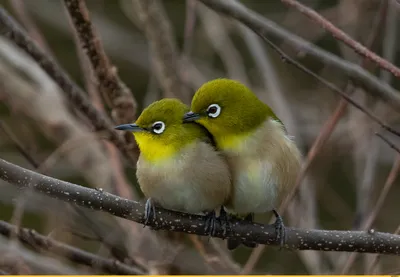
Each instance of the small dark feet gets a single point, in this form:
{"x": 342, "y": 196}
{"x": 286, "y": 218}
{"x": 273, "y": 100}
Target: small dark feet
{"x": 149, "y": 211}
{"x": 279, "y": 229}
{"x": 224, "y": 221}
{"x": 211, "y": 219}
{"x": 249, "y": 217}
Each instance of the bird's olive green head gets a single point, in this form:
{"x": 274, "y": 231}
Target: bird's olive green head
{"x": 159, "y": 130}
{"x": 227, "y": 108}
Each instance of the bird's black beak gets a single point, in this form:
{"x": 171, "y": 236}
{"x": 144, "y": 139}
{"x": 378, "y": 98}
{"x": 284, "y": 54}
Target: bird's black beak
{"x": 191, "y": 116}
{"x": 129, "y": 127}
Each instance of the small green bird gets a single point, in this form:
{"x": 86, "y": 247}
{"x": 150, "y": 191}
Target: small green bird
{"x": 178, "y": 167}
{"x": 264, "y": 161}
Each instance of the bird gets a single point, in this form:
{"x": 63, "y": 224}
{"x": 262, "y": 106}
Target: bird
{"x": 263, "y": 158}
{"x": 178, "y": 167}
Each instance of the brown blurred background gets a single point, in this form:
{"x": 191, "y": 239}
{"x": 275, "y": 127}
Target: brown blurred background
{"x": 339, "y": 191}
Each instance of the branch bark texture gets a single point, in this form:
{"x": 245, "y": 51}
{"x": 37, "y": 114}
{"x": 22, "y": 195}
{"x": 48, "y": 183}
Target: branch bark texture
{"x": 298, "y": 239}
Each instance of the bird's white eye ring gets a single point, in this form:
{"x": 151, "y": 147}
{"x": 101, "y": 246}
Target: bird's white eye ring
{"x": 158, "y": 127}
{"x": 213, "y": 110}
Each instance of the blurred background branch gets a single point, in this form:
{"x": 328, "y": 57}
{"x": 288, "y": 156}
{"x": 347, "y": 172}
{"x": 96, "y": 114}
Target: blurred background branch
{"x": 340, "y": 35}
{"x": 164, "y": 52}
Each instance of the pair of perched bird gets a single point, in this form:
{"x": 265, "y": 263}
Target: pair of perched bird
{"x": 228, "y": 150}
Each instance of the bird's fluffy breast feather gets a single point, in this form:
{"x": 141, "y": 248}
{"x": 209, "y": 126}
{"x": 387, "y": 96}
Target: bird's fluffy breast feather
{"x": 196, "y": 179}
{"x": 264, "y": 167}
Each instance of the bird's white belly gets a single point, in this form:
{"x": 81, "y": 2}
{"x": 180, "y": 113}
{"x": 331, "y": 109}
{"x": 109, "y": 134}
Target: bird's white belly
{"x": 255, "y": 188}
{"x": 174, "y": 193}
{"x": 177, "y": 195}
{"x": 172, "y": 188}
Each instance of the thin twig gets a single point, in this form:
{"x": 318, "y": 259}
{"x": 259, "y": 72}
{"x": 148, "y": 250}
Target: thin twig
{"x": 114, "y": 91}
{"x": 66, "y": 147}
{"x": 29, "y": 24}
{"x": 273, "y": 85}
{"x": 333, "y": 87}
{"x": 30, "y": 88}
{"x": 190, "y": 23}
{"x": 223, "y": 45}
{"x": 11, "y": 29}
{"x": 32, "y": 238}
{"x": 42, "y": 168}
{"x": 382, "y": 196}
{"x": 388, "y": 142}
{"x": 263, "y": 27}
{"x": 55, "y": 119}
{"x": 342, "y": 36}
{"x": 364, "y": 187}
{"x": 379, "y": 203}
{"x": 161, "y": 39}
{"x": 18, "y": 145}
{"x": 323, "y": 136}
{"x": 120, "y": 183}
{"x": 20, "y": 260}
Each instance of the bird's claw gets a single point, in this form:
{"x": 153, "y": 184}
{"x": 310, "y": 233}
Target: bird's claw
{"x": 149, "y": 211}
{"x": 224, "y": 221}
{"x": 210, "y": 223}
{"x": 249, "y": 217}
{"x": 279, "y": 229}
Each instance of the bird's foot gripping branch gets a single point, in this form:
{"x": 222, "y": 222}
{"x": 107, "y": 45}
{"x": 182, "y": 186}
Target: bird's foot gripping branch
{"x": 298, "y": 239}
{"x": 279, "y": 228}
{"x": 149, "y": 211}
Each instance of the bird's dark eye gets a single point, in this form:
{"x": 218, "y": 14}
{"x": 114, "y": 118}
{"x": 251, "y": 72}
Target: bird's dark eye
{"x": 213, "y": 110}
{"x": 158, "y": 127}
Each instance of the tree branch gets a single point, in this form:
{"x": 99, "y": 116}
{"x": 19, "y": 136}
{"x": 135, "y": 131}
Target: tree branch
{"x": 165, "y": 57}
{"x": 32, "y": 238}
{"x": 11, "y": 29}
{"x": 300, "y": 239}
{"x": 332, "y": 87}
{"x": 263, "y": 27}
{"x": 342, "y": 36}
{"x": 27, "y": 21}
{"x": 103, "y": 83}
{"x": 115, "y": 92}
{"x": 388, "y": 142}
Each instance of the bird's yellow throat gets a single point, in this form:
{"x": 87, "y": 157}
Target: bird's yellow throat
{"x": 154, "y": 150}
{"x": 233, "y": 142}
{"x": 224, "y": 140}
